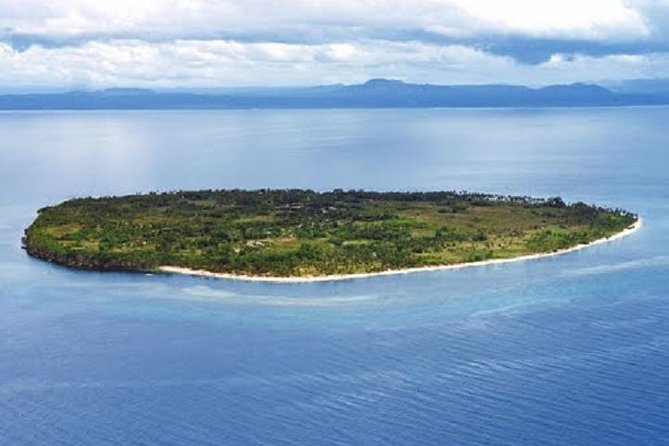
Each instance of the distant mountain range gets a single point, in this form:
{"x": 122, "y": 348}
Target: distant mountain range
{"x": 376, "y": 93}
{"x": 656, "y": 86}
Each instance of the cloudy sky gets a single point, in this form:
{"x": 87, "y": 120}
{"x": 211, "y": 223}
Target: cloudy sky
{"x": 217, "y": 43}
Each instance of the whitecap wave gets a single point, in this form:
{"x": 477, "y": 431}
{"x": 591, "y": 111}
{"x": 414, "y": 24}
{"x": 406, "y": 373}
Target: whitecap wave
{"x": 205, "y": 292}
{"x": 649, "y": 262}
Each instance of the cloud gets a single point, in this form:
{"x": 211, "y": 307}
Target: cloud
{"x": 214, "y": 63}
{"x": 232, "y": 42}
{"x": 568, "y": 18}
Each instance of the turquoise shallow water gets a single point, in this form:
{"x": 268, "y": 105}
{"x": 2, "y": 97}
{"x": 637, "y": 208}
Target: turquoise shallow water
{"x": 563, "y": 350}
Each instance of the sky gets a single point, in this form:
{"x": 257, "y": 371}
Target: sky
{"x": 225, "y": 43}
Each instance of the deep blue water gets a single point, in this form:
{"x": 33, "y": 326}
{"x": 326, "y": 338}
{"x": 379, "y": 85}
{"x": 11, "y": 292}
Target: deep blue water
{"x": 569, "y": 350}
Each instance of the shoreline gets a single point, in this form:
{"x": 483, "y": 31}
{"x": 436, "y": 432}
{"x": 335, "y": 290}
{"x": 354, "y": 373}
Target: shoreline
{"x": 336, "y": 277}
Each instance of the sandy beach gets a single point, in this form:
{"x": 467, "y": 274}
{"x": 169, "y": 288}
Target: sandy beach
{"x": 203, "y": 273}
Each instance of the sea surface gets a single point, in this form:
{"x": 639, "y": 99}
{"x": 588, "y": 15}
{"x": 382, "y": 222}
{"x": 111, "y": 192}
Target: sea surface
{"x": 567, "y": 350}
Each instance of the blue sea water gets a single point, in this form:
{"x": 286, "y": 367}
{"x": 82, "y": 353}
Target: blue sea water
{"x": 567, "y": 350}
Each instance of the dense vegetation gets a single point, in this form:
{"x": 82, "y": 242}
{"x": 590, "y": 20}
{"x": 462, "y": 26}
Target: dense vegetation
{"x": 302, "y": 232}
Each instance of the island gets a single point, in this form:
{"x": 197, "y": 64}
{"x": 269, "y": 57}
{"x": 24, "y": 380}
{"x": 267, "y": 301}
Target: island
{"x": 295, "y": 233}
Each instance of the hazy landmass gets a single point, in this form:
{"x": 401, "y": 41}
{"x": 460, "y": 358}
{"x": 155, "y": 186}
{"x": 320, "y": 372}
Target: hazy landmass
{"x": 649, "y": 87}
{"x": 376, "y": 93}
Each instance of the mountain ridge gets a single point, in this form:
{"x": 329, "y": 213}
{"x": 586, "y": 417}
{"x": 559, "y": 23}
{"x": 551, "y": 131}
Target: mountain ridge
{"x": 375, "y": 93}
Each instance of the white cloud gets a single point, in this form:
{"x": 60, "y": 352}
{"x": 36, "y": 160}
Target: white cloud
{"x": 558, "y": 18}
{"x": 224, "y": 63}
{"x": 590, "y": 19}
{"x": 253, "y": 42}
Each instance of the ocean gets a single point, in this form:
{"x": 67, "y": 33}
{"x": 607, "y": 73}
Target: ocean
{"x": 565, "y": 350}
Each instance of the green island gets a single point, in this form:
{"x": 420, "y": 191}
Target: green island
{"x": 303, "y": 233}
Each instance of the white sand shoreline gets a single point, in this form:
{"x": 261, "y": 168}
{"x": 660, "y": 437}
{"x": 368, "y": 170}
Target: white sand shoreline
{"x": 203, "y": 273}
